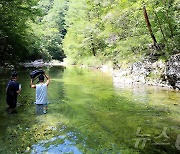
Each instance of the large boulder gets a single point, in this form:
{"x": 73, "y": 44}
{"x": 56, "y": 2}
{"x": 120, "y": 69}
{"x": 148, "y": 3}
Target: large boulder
{"x": 173, "y": 71}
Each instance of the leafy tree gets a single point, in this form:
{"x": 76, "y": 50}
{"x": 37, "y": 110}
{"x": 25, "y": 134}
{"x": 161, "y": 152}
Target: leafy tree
{"x": 50, "y": 28}
{"x": 15, "y": 36}
{"x": 119, "y": 30}
{"x": 104, "y": 30}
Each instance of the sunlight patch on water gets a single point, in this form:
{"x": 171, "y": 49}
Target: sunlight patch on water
{"x": 52, "y": 146}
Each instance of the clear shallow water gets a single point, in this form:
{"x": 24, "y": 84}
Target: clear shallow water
{"x": 88, "y": 113}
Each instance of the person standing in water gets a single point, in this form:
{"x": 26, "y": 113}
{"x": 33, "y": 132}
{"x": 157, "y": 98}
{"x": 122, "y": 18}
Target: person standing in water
{"x": 41, "y": 92}
{"x": 12, "y": 90}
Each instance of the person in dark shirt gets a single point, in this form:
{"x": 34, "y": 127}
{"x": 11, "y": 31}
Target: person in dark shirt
{"x": 12, "y": 91}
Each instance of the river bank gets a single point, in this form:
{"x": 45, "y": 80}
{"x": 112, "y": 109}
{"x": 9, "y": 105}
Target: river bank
{"x": 150, "y": 71}
{"x": 36, "y": 64}
{"x": 41, "y": 63}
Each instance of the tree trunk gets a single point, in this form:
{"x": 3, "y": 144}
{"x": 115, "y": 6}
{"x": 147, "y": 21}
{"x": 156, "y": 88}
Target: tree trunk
{"x": 93, "y": 49}
{"x": 149, "y": 26}
{"x": 92, "y": 46}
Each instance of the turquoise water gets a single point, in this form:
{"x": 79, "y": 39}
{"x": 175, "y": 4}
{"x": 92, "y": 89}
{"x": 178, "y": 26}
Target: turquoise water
{"x": 88, "y": 113}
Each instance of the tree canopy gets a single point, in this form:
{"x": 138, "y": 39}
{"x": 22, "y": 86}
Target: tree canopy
{"x": 88, "y": 31}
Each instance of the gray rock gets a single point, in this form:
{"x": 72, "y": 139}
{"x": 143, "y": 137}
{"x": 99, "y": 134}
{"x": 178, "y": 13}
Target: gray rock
{"x": 177, "y": 85}
{"x": 151, "y": 72}
{"x": 141, "y": 68}
{"x": 173, "y": 71}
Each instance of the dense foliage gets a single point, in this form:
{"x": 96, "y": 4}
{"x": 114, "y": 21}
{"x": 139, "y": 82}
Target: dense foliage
{"x": 49, "y": 28}
{"x": 31, "y": 29}
{"x": 16, "y": 38}
{"x": 88, "y": 31}
{"x": 103, "y": 30}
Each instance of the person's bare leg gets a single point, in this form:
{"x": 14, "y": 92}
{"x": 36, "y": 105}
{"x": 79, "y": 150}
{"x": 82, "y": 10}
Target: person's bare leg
{"x": 44, "y": 109}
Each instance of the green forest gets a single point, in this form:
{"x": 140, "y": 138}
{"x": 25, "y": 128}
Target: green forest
{"x": 88, "y": 31}
{"x": 90, "y": 76}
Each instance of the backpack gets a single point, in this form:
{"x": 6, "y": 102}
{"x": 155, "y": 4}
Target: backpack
{"x": 35, "y": 73}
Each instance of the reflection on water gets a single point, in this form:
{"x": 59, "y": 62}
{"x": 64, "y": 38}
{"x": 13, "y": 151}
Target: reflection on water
{"x": 146, "y": 94}
{"x": 66, "y": 147}
{"x": 88, "y": 114}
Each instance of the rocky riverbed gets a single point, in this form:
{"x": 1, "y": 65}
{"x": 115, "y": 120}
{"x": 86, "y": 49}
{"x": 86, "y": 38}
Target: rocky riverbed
{"x": 151, "y": 72}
